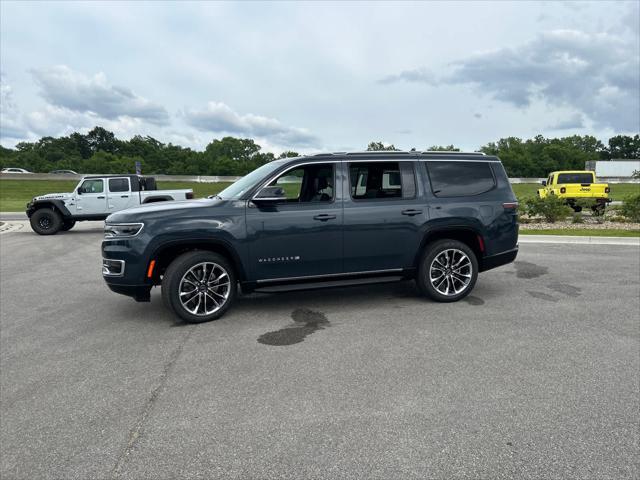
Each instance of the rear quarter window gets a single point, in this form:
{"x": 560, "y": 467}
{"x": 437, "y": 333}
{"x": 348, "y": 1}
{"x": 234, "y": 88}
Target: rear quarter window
{"x": 460, "y": 179}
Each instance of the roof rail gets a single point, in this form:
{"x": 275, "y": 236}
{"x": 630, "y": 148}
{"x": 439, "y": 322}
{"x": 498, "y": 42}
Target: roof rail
{"x": 451, "y": 152}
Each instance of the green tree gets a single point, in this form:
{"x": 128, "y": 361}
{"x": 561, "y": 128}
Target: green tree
{"x": 379, "y": 147}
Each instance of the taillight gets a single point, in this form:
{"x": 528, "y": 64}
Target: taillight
{"x": 606, "y": 190}
{"x": 189, "y": 195}
{"x": 563, "y": 190}
{"x": 510, "y": 205}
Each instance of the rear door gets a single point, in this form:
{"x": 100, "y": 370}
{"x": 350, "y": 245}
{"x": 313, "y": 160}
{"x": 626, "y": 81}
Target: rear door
{"x": 383, "y": 215}
{"x": 119, "y": 195}
{"x": 91, "y": 198}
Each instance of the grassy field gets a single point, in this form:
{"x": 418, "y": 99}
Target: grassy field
{"x": 584, "y": 232}
{"x": 14, "y": 194}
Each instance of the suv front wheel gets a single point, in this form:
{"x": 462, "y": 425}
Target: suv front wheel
{"x": 448, "y": 271}
{"x": 199, "y": 286}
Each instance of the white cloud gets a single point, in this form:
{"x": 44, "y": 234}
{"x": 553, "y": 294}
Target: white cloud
{"x": 595, "y": 74}
{"x": 10, "y": 121}
{"x": 66, "y": 88}
{"x": 217, "y": 117}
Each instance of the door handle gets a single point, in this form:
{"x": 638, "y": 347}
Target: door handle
{"x": 323, "y": 217}
{"x": 100, "y": 197}
{"x": 124, "y": 196}
{"x": 411, "y": 212}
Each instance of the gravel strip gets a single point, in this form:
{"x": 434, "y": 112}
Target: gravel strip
{"x": 580, "y": 226}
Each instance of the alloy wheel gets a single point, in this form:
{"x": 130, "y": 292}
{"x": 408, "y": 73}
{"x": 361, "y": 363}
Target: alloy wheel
{"x": 204, "y": 288}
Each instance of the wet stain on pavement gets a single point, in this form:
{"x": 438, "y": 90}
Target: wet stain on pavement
{"x": 529, "y": 270}
{"x": 542, "y": 296}
{"x": 568, "y": 290}
{"x": 474, "y": 300}
{"x": 306, "y": 322}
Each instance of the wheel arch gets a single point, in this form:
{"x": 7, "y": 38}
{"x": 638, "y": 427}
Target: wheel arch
{"x": 167, "y": 252}
{"x": 465, "y": 234}
{"x": 56, "y": 205}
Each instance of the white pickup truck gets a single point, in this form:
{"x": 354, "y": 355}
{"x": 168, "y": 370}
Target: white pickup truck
{"x": 95, "y": 198}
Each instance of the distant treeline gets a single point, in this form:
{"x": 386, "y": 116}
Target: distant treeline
{"x": 99, "y": 151}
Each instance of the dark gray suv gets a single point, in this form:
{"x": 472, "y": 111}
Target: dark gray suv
{"x": 320, "y": 221}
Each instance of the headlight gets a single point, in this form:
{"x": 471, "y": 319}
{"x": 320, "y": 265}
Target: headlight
{"x": 122, "y": 230}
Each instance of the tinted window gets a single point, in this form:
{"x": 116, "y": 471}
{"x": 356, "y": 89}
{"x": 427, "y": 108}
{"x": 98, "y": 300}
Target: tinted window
{"x": 92, "y": 186}
{"x": 381, "y": 180}
{"x": 458, "y": 179}
{"x": 118, "y": 184}
{"x": 309, "y": 183}
{"x": 575, "y": 178}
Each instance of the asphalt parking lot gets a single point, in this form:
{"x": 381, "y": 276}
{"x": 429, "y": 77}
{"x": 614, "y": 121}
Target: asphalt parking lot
{"x": 536, "y": 375}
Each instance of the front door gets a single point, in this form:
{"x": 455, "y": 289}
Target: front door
{"x": 383, "y": 216}
{"x": 91, "y": 198}
{"x": 119, "y": 195}
{"x": 300, "y": 236}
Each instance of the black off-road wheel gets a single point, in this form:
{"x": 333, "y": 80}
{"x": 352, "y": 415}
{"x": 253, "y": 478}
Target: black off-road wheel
{"x": 199, "y": 286}
{"x": 67, "y": 225}
{"x": 448, "y": 271}
{"x": 46, "y": 221}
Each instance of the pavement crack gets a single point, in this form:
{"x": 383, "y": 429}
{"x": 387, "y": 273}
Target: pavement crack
{"x": 136, "y": 431}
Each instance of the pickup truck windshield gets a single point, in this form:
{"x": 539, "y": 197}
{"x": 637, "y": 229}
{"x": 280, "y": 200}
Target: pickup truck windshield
{"x": 235, "y": 191}
{"x": 575, "y": 178}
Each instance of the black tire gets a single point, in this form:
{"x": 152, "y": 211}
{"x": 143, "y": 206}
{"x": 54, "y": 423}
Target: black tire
{"x": 46, "y": 221}
{"x": 172, "y": 286}
{"x": 598, "y": 209}
{"x": 576, "y": 208}
{"x": 457, "y": 277}
{"x": 67, "y": 225}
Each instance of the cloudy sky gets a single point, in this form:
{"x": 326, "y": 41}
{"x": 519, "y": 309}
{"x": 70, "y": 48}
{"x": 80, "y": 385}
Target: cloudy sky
{"x": 320, "y": 76}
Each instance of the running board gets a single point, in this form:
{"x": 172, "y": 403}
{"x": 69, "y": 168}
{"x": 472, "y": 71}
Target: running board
{"x": 354, "y": 282}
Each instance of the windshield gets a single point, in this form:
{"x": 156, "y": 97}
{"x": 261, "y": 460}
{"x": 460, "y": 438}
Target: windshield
{"x": 237, "y": 189}
{"x": 585, "y": 177}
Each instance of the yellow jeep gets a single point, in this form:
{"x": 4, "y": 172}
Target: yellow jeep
{"x": 577, "y": 188}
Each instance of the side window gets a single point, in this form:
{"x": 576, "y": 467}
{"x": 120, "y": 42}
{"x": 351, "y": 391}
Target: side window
{"x": 309, "y": 183}
{"x": 118, "y": 184}
{"x": 550, "y": 182}
{"x": 95, "y": 185}
{"x": 381, "y": 180}
{"x": 459, "y": 179}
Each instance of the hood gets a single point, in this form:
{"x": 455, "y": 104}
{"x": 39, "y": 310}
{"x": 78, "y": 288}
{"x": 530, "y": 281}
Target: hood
{"x": 162, "y": 209}
{"x": 53, "y": 196}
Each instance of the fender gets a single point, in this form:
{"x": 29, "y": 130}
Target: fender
{"x": 203, "y": 243}
{"x": 158, "y": 198}
{"x": 55, "y": 204}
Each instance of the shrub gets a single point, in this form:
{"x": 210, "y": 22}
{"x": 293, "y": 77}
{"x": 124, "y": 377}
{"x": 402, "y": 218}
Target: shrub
{"x": 631, "y": 208}
{"x": 550, "y": 208}
{"x": 577, "y": 218}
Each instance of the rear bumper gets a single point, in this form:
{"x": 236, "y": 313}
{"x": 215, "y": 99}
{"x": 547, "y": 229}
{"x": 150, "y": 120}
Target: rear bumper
{"x": 497, "y": 260}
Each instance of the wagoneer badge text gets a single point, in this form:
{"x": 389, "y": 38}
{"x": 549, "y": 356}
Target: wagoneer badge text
{"x": 295, "y": 258}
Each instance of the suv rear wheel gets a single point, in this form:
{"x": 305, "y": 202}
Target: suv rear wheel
{"x": 199, "y": 286}
{"x": 448, "y": 271}
{"x": 46, "y": 221}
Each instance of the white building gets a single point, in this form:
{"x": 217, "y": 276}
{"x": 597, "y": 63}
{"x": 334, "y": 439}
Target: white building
{"x": 614, "y": 168}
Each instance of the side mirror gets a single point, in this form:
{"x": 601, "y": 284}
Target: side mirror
{"x": 544, "y": 183}
{"x": 270, "y": 194}
{"x": 80, "y": 190}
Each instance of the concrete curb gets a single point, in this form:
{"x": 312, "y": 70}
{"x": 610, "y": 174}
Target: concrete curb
{"x": 579, "y": 240}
